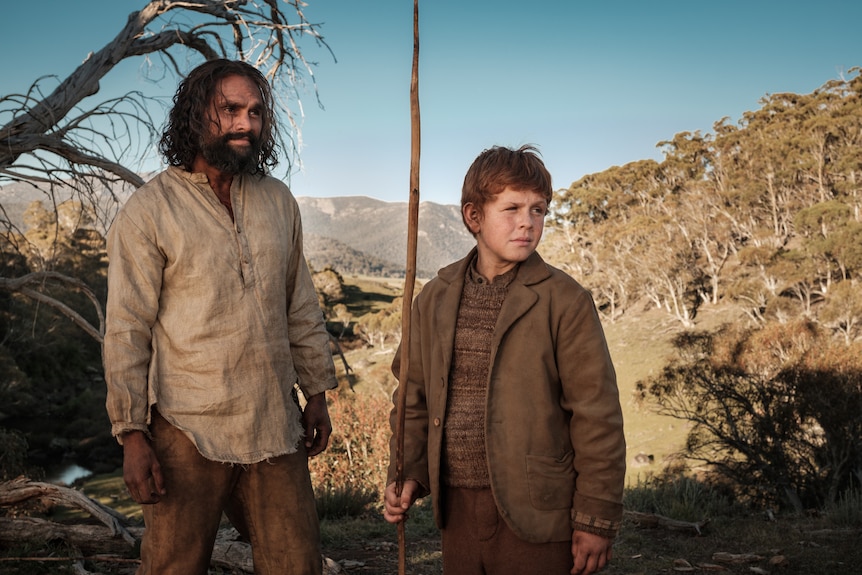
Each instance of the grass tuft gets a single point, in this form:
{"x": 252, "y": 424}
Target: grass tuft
{"x": 847, "y": 511}
{"x": 680, "y": 497}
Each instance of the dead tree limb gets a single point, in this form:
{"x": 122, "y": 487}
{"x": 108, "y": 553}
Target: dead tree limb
{"x": 652, "y": 520}
{"x": 22, "y": 489}
{"x": 25, "y": 285}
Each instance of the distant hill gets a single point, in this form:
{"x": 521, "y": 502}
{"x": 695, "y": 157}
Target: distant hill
{"x": 379, "y": 229}
{"x": 322, "y": 252}
{"x": 353, "y": 235}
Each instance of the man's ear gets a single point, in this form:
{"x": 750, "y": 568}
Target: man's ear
{"x": 473, "y": 217}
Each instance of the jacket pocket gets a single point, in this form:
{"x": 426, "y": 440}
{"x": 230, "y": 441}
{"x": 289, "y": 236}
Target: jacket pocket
{"x": 551, "y": 481}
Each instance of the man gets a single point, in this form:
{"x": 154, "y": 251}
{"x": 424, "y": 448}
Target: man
{"x": 212, "y": 323}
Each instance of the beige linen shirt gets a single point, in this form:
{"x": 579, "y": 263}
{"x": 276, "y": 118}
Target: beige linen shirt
{"x": 213, "y": 319}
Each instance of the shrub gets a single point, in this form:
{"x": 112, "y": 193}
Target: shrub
{"x": 350, "y": 474}
{"x": 778, "y": 411}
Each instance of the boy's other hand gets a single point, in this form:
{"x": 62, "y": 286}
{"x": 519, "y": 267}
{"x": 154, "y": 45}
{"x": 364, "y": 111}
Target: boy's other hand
{"x": 395, "y": 508}
{"x": 591, "y": 552}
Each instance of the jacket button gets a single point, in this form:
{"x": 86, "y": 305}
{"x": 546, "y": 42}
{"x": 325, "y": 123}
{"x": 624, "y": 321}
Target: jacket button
{"x": 436, "y": 422}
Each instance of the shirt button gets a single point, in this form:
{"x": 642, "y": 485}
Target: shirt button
{"x": 436, "y": 422}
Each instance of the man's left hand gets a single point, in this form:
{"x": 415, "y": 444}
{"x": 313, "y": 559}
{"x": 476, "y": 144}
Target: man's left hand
{"x": 318, "y": 427}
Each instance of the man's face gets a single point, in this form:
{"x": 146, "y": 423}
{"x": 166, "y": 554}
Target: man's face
{"x": 236, "y": 114}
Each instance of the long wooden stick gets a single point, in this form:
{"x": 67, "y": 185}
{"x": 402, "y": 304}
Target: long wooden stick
{"x": 409, "y": 281}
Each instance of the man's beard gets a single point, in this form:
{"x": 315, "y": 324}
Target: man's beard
{"x": 219, "y": 154}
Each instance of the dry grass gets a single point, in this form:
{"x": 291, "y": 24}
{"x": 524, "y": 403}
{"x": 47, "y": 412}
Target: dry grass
{"x": 760, "y": 542}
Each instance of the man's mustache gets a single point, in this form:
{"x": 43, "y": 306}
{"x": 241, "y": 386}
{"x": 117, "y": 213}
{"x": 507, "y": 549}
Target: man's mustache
{"x": 240, "y": 136}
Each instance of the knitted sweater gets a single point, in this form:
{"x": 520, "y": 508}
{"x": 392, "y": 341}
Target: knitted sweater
{"x": 465, "y": 460}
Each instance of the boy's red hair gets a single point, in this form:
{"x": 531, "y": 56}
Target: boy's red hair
{"x": 498, "y": 168}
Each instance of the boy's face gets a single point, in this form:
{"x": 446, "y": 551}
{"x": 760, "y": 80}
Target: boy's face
{"x": 507, "y": 230}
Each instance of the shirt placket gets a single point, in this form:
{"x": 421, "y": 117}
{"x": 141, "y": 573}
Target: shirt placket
{"x": 245, "y": 258}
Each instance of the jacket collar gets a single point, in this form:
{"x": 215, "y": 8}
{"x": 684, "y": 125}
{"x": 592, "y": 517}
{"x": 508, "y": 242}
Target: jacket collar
{"x": 532, "y": 271}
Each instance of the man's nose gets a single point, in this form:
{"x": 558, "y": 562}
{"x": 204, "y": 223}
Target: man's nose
{"x": 242, "y": 122}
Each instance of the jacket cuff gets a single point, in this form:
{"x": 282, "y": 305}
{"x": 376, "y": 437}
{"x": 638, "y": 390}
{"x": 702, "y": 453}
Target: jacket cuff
{"x": 595, "y": 525}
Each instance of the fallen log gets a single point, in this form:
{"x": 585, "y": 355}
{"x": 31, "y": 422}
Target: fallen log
{"x": 90, "y": 539}
{"x": 653, "y": 520}
{"x": 101, "y": 542}
{"x": 22, "y": 489}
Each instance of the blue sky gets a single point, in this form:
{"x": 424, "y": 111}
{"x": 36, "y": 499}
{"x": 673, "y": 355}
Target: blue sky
{"x": 592, "y": 84}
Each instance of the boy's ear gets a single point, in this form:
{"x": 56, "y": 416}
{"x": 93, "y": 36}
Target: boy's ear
{"x": 473, "y": 217}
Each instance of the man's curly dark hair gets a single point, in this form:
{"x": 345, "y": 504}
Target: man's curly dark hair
{"x": 189, "y": 120}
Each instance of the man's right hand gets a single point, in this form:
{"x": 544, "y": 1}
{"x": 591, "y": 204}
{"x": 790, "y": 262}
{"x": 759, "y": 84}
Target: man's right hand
{"x": 141, "y": 470}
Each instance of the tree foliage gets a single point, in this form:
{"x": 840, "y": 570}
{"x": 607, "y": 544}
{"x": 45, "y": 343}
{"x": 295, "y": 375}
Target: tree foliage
{"x": 766, "y": 215}
{"x": 381, "y": 328}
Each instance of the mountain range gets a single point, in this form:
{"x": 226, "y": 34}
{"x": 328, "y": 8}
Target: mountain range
{"x": 354, "y": 235}
{"x": 362, "y": 235}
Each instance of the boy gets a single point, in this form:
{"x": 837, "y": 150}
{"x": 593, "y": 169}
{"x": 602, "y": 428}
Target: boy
{"x": 512, "y": 422}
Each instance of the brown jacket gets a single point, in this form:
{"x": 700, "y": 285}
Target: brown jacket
{"x": 553, "y": 422}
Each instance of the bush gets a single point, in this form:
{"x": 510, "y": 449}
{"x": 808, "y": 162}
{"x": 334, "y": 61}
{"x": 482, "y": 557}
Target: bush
{"x": 350, "y": 475}
{"x": 778, "y": 411}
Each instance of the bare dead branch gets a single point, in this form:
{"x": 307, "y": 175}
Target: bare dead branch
{"x": 23, "y": 283}
{"x": 21, "y": 489}
{"x": 52, "y": 140}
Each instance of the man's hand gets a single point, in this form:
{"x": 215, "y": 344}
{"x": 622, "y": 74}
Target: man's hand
{"x": 318, "y": 427}
{"x": 141, "y": 470}
{"x": 591, "y": 552}
{"x": 395, "y": 508}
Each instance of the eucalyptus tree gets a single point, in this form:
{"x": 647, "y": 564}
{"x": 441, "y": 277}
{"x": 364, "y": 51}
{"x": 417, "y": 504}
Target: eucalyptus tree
{"x": 591, "y": 214}
{"x": 847, "y": 149}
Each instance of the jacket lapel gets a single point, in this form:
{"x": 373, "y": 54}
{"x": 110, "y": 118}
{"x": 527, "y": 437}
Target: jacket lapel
{"x": 521, "y": 297}
{"x": 446, "y": 309}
